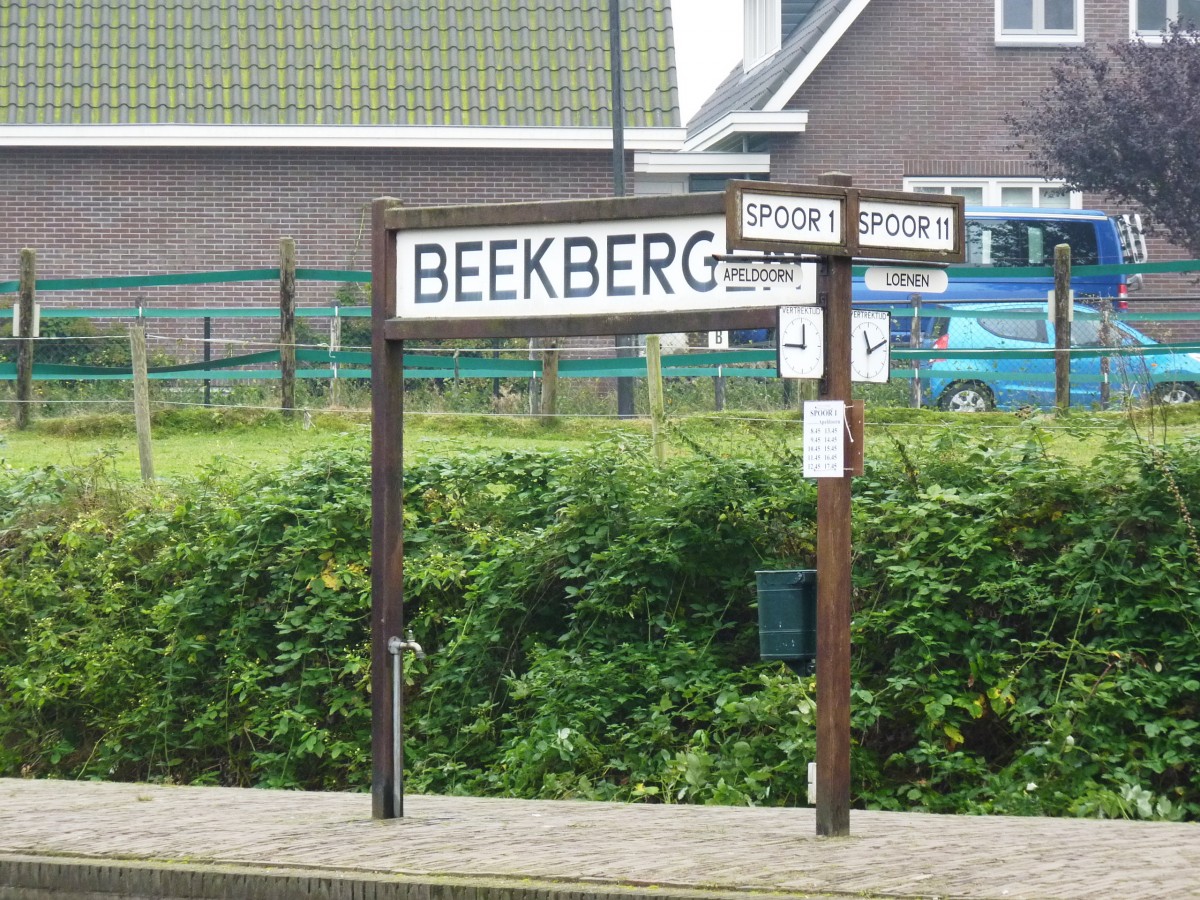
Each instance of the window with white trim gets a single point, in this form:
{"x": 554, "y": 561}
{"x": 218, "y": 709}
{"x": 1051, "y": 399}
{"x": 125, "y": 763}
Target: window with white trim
{"x": 1024, "y": 22}
{"x": 762, "y": 31}
{"x": 1150, "y": 18}
{"x": 1000, "y": 191}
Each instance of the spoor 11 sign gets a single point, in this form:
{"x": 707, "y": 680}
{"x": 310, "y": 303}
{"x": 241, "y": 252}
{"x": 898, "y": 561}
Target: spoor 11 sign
{"x": 890, "y": 225}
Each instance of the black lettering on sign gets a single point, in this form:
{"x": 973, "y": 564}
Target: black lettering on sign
{"x": 619, "y": 265}
{"x": 497, "y": 271}
{"x": 656, "y": 264}
{"x": 463, "y": 271}
{"x": 689, "y": 271}
{"x": 422, "y": 273}
{"x": 534, "y": 264}
{"x": 586, "y": 266}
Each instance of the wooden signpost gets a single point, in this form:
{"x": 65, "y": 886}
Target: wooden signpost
{"x": 838, "y": 223}
{"x": 623, "y": 266}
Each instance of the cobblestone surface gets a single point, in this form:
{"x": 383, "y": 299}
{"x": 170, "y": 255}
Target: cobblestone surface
{"x": 673, "y": 848}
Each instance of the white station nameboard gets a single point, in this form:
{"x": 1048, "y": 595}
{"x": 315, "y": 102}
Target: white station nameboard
{"x": 598, "y": 267}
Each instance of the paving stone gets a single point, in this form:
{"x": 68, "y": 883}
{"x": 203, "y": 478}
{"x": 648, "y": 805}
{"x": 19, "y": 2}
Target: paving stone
{"x": 465, "y": 848}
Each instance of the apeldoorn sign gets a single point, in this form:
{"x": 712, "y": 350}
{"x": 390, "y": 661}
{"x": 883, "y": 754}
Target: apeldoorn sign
{"x": 598, "y": 267}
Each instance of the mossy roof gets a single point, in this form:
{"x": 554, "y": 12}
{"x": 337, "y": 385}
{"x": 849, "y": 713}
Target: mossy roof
{"x": 533, "y": 63}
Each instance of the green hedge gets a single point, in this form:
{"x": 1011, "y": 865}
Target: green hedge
{"x": 1025, "y": 635}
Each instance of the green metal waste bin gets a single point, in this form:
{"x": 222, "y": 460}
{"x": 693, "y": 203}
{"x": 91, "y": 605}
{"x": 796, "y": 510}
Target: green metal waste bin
{"x": 787, "y": 617}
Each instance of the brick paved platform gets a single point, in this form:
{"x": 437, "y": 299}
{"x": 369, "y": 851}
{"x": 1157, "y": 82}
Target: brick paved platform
{"x": 67, "y": 840}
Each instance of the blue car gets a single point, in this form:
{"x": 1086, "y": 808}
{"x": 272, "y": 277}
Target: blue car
{"x": 993, "y": 380}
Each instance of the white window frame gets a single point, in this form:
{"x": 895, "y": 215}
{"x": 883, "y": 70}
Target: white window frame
{"x": 1039, "y": 37}
{"x": 991, "y": 188}
{"x": 1153, "y": 36}
{"x": 762, "y": 27}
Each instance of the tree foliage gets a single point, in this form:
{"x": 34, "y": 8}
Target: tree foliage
{"x": 1125, "y": 121}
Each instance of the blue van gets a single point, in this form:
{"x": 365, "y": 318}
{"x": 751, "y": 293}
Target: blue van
{"x": 1012, "y": 236}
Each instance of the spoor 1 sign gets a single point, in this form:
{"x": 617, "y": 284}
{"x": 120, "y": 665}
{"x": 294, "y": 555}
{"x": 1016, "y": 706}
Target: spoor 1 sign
{"x": 803, "y": 218}
{"x": 600, "y": 267}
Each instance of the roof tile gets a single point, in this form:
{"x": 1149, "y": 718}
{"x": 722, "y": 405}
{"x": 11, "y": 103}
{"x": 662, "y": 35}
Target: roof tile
{"x": 344, "y": 62}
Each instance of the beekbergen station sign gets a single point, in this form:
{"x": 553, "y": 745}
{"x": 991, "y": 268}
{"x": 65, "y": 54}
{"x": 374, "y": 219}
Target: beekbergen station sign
{"x": 618, "y": 267}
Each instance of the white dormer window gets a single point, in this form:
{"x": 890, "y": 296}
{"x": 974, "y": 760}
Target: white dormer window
{"x": 1039, "y": 22}
{"x": 1150, "y": 18}
{"x": 762, "y": 29}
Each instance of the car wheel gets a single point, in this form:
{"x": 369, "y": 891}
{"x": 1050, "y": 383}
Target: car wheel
{"x": 1179, "y": 392}
{"x": 967, "y": 396}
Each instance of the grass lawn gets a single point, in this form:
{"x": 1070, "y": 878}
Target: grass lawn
{"x": 186, "y": 441}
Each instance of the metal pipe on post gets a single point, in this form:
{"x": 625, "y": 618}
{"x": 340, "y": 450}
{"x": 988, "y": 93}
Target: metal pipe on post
{"x": 1062, "y": 327}
{"x": 834, "y": 555}
{"x": 141, "y": 399}
{"x": 287, "y": 326}
{"x": 25, "y": 309}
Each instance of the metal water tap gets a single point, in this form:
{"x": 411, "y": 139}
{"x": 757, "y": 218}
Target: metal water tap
{"x": 397, "y": 646}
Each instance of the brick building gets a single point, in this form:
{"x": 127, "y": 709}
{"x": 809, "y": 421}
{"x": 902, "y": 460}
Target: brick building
{"x": 902, "y": 96}
{"x": 165, "y": 136}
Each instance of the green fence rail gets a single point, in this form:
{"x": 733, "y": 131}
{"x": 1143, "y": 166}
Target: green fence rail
{"x": 356, "y": 364}
{"x": 357, "y": 276}
{"x": 725, "y": 363}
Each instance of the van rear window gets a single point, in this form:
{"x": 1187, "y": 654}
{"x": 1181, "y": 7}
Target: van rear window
{"x": 1029, "y": 242}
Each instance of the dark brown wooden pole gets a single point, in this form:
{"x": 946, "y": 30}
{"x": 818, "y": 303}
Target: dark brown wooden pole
{"x": 1062, "y": 327}
{"x": 287, "y": 326}
{"x": 833, "y": 557}
{"x": 25, "y": 307}
{"x": 387, "y": 535}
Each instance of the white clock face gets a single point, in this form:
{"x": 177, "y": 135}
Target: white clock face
{"x": 870, "y": 350}
{"x": 801, "y": 342}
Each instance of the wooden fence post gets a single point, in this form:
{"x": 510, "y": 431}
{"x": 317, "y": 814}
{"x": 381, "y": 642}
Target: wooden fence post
{"x": 658, "y": 411}
{"x": 141, "y": 399}
{"x": 1062, "y": 327}
{"x": 549, "y": 397}
{"x": 335, "y": 346}
{"x": 25, "y": 307}
{"x": 287, "y": 326}
{"x": 1107, "y": 339}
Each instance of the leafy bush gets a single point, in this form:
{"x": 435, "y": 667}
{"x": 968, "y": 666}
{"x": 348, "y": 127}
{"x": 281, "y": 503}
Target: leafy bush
{"x": 1025, "y": 631}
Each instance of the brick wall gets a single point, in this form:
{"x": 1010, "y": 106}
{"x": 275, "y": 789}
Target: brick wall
{"x": 120, "y": 211}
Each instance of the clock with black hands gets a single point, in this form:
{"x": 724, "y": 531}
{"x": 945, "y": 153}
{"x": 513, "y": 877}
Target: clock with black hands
{"x": 801, "y": 335}
{"x": 870, "y": 347}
